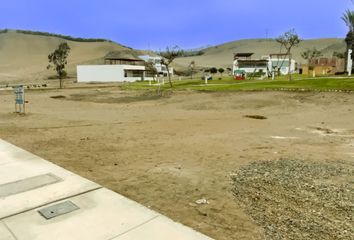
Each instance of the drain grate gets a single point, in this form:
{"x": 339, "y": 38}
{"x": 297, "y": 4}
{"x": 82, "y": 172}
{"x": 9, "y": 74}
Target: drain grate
{"x": 27, "y": 184}
{"x": 58, "y": 210}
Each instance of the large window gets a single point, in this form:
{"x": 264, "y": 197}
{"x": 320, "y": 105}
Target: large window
{"x": 133, "y": 73}
{"x": 280, "y": 63}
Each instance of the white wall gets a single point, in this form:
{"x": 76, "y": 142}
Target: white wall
{"x": 106, "y": 73}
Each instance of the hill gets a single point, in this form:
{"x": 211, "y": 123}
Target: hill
{"x": 222, "y": 55}
{"x": 24, "y": 56}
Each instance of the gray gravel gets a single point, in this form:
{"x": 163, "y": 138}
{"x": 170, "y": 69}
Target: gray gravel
{"x": 298, "y": 200}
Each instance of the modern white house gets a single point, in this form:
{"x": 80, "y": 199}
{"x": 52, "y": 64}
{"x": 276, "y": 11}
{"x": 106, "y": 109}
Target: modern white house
{"x": 280, "y": 62}
{"x": 244, "y": 63}
{"x": 265, "y": 66}
{"x": 118, "y": 67}
{"x": 110, "y": 73}
{"x": 156, "y": 61}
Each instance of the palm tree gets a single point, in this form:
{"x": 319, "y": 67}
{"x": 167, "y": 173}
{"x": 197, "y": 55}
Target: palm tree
{"x": 348, "y": 18}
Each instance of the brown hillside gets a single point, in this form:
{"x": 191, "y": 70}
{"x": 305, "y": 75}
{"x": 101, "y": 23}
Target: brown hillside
{"x": 23, "y": 57}
{"x": 222, "y": 55}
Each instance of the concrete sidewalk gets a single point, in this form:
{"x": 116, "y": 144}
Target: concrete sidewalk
{"x": 41, "y": 201}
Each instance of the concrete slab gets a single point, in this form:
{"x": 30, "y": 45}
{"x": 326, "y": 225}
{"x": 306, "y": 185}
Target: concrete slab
{"x": 27, "y": 184}
{"x": 162, "y": 228}
{"x": 5, "y": 234}
{"x": 103, "y": 214}
{"x": 22, "y": 188}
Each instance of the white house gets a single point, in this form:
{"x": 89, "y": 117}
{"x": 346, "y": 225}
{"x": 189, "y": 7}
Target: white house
{"x": 156, "y": 61}
{"x": 280, "y": 62}
{"x": 243, "y": 62}
{"x": 264, "y": 66}
{"x": 119, "y": 67}
{"x": 110, "y": 73}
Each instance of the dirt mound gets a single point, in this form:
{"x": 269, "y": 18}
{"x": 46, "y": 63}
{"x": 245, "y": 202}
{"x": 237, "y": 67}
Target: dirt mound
{"x": 298, "y": 200}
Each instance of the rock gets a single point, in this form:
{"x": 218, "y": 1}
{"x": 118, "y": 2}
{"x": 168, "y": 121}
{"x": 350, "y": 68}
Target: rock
{"x": 202, "y": 201}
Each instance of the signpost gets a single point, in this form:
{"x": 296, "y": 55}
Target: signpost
{"x": 20, "y": 102}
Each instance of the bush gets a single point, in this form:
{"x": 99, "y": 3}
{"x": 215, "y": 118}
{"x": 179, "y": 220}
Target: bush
{"x": 4, "y": 31}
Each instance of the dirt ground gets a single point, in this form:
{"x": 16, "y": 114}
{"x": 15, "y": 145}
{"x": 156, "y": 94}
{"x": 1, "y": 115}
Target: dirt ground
{"x": 167, "y": 153}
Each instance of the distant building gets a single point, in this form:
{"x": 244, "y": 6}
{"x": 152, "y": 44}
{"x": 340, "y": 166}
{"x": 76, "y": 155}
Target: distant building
{"x": 265, "y": 66}
{"x": 280, "y": 63}
{"x": 156, "y": 61}
{"x": 119, "y": 67}
{"x": 323, "y": 66}
{"x": 244, "y": 63}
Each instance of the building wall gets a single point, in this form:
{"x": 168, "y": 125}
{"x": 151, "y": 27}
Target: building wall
{"x": 272, "y": 64}
{"x": 319, "y": 70}
{"x": 283, "y": 64}
{"x": 106, "y": 73}
{"x": 324, "y": 66}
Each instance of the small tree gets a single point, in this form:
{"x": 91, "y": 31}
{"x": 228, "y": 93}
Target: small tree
{"x": 340, "y": 55}
{"x": 221, "y": 71}
{"x": 229, "y": 70}
{"x": 213, "y": 70}
{"x": 151, "y": 69}
{"x": 192, "y": 68}
{"x": 309, "y": 55}
{"x": 58, "y": 60}
{"x": 168, "y": 57}
{"x": 289, "y": 40}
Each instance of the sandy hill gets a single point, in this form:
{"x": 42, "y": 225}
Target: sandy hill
{"x": 222, "y": 55}
{"x": 24, "y": 57}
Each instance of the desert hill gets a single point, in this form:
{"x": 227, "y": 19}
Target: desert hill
{"x": 222, "y": 55}
{"x": 24, "y": 57}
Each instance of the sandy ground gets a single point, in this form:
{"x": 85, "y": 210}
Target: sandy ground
{"x": 168, "y": 152}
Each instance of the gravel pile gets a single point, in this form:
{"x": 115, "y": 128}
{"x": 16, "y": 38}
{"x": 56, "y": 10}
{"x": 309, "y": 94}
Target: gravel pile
{"x": 298, "y": 200}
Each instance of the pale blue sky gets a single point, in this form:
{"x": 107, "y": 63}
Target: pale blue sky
{"x": 156, "y": 24}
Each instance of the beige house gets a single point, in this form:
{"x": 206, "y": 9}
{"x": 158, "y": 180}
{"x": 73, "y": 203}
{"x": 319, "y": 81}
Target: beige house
{"x": 323, "y": 66}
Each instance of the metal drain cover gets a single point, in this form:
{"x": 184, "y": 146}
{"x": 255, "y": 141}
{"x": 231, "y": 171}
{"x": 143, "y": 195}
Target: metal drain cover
{"x": 58, "y": 210}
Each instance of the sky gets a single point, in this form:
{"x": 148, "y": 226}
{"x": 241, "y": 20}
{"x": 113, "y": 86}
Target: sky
{"x": 156, "y": 24}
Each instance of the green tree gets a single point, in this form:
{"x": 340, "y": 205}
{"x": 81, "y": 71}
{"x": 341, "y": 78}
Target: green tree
{"x": 339, "y": 54}
{"x": 58, "y": 61}
{"x": 168, "y": 56}
{"x": 221, "y": 71}
{"x": 213, "y": 70}
{"x": 289, "y": 40}
{"x": 192, "y": 68}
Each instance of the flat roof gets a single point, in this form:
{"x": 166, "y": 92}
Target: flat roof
{"x": 243, "y": 54}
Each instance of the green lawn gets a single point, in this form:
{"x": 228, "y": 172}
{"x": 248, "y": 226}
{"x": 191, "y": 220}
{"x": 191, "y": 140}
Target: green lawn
{"x": 300, "y": 82}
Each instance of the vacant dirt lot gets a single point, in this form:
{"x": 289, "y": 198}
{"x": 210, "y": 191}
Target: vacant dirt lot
{"x": 169, "y": 152}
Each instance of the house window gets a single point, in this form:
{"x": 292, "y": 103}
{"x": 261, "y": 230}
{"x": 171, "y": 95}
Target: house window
{"x": 133, "y": 73}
